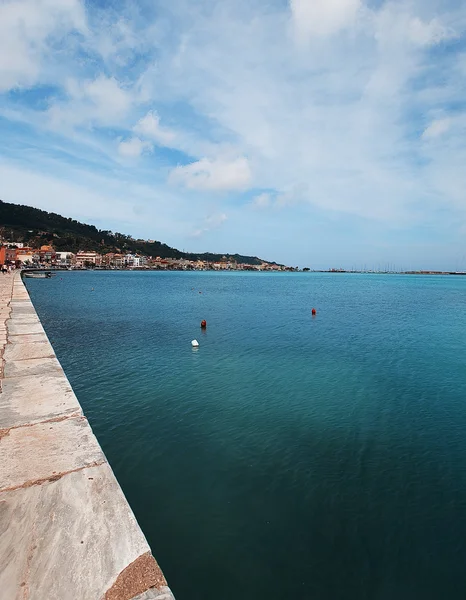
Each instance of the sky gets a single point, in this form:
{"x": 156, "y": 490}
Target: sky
{"x": 318, "y": 133}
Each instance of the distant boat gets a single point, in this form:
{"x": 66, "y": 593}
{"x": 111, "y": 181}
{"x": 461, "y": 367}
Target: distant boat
{"x": 38, "y": 275}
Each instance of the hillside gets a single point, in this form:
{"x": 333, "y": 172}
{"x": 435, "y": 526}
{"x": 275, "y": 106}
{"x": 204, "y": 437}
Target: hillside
{"x": 36, "y": 227}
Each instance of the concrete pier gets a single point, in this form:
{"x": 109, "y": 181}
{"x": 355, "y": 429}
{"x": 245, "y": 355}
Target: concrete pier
{"x": 66, "y": 529}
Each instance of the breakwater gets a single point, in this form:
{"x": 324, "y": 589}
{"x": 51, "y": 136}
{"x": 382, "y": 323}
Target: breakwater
{"x": 66, "y": 529}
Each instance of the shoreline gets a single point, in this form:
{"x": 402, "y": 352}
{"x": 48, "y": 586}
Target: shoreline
{"x": 251, "y": 270}
{"x": 67, "y": 528}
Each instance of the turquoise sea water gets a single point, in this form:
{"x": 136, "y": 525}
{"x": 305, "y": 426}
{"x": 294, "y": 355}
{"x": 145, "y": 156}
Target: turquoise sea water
{"x": 289, "y": 457}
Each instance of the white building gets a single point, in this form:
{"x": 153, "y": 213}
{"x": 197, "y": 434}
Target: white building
{"x": 139, "y": 261}
{"x": 135, "y": 260}
{"x": 129, "y": 260}
{"x": 64, "y": 259}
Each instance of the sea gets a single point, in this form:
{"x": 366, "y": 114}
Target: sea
{"x": 289, "y": 457}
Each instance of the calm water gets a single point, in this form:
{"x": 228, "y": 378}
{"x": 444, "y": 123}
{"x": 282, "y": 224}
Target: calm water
{"x": 289, "y": 457}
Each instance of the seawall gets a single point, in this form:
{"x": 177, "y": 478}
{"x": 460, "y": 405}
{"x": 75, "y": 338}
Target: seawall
{"x": 66, "y": 529}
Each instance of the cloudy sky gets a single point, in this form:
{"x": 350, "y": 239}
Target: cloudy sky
{"x": 320, "y": 133}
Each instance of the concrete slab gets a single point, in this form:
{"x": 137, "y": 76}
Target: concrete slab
{"x": 68, "y": 539}
{"x": 18, "y": 328}
{"x": 24, "y": 350}
{"x": 33, "y": 366}
{"x": 25, "y": 317}
{"x": 33, "y": 454}
{"x": 27, "y": 338}
{"x": 27, "y": 400}
{"x": 23, "y": 308}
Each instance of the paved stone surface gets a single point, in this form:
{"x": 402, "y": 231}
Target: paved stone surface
{"x": 6, "y": 290}
{"x": 66, "y": 529}
{"x": 32, "y": 454}
{"x": 32, "y": 366}
{"x": 18, "y": 327}
{"x": 20, "y": 349}
{"x": 69, "y": 538}
{"x": 31, "y": 399}
{"x": 27, "y": 338}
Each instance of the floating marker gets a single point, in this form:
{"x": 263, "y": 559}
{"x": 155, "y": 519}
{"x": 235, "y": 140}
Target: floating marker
{"x": 203, "y": 324}
{"x": 314, "y": 312}
{"x": 195, "y": 344}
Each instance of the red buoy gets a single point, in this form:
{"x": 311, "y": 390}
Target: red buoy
{"x": 203, "y": 324}
{"x": 314, "y": 312}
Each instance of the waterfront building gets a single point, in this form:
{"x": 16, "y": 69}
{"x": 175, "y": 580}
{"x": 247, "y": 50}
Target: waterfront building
{"x": 129, "y": 260}
{"x": 85, "y": 259}
{"x": 46, "y": 254}
{"x": 139, "y": 261}
{"x": 27, "y": 256}
{"x": 65, "y": 259}
{"x": 7, "y": 255}
{"x": 160, "y": 263}
{"x": 114, "y": 260}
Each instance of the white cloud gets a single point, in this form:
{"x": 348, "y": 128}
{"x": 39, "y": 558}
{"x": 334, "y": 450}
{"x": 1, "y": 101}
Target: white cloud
{"x": 149, "y": 127}
{"x": 290, "y": 197}
{"x": 105, "y": 94}
{"x": 322, "y": 17}
{"x": 262, "y": 201}
{"x": 133, "y": 148}
{"x": 335, "y": 115}
{"x": 212, "y": 222}
{"x": 100, "y": 101}
{"x": 437, "y": 128}
{"x": 395, "y": 25}
{"x": 214, "y": 174}
{"x": 116, "y": 40}
{"x": 28, "y": 30}
{"x": 430, "y": 33}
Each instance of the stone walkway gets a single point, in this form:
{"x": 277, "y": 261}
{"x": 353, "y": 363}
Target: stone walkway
{"x": 6, "y": 290}
{"x": 66, "y": 529}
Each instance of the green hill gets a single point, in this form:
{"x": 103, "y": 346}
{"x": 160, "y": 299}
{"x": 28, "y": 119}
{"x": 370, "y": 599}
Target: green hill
{"x": 36, "y": 227}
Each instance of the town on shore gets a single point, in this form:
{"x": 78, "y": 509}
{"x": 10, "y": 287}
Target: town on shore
{"x": 21, "y": 256}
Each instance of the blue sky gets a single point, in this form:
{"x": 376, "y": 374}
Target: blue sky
{"x": 320, "y": 133}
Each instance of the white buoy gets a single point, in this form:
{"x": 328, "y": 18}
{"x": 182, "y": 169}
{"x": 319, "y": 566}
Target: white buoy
{"x": 195, "y": 344}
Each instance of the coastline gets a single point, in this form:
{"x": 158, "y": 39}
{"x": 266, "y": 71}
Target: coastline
{"x": 67, "y": 529}
{"x": 54, "y": 269}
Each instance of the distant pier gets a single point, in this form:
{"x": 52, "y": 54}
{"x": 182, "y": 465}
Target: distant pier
{"x": 66, "y": 529}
